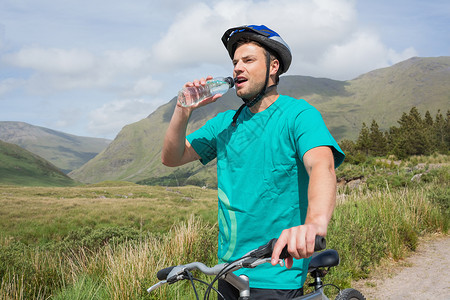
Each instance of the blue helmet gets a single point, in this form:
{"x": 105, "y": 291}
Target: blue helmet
{"x": 263, "y": 35}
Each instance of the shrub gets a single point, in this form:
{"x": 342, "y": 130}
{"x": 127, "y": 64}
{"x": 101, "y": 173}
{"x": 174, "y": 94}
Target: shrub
{"x": 13, "y": 259}
{"x": 94, "y": 239}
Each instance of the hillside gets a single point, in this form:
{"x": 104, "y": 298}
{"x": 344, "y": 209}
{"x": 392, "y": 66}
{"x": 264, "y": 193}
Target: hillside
{"x": 21, "y": 167}
{"x": 382, "y": 95}
{"x": 66, "y": 151}
{"x": 134, "y": 154}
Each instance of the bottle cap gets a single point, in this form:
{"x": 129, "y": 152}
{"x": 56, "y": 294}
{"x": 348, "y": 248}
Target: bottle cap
{"x": 230, "y": 81}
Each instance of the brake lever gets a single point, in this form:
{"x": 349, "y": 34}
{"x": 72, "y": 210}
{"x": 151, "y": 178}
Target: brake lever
{"x": 157, "y": 285}
{"x": 176, "y": 274}
{"x": 170, "y": 280}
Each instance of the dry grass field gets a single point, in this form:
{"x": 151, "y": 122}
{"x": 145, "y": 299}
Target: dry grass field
{"x": 107, "y": 241}
{"x": 40, "y": 214}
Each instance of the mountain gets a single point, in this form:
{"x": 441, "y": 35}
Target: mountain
{"x": 134, "y": 155}
{"x": 21, "y": 167}
{"x": 66, "y": 151}
{"x": 382, "y": 94}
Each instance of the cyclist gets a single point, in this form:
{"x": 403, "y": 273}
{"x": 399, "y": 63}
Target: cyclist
{"x": 275, "y": 164}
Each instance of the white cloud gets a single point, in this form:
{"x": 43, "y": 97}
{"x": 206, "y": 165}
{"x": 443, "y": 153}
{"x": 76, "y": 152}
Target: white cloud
{"x": 304, "y": 25}
{"x": 49, "y": 70}
{"x": 344, "y": 61}
{"x": 80, "y": 52}
{"x": 111, "y": 117}
{"x": 144, "y": 87}
{"x": 324, "y": 36}
{"x": 53, "y": 60}
{"x": 362, "y": 52}
{"x": 395, "y": 57}
{"x": 55, "y": 69}
{"x": 9, "y": 84}
{"x": 128, "y": 60}
{"x": 193, "y": 38}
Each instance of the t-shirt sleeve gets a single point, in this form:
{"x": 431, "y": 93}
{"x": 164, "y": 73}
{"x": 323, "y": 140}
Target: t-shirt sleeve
{"x": 203, "y": 141}
{"x": 311, "y": 132}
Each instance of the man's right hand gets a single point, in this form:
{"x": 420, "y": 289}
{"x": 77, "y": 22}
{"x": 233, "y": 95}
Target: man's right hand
{"x": 206, "y": 101}
{"x": 176, "y": 149}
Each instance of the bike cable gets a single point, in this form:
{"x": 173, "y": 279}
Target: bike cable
{"x": 207, "y": 284}
{"x": 191, "y": 279}
{"x": 225, "y": 270}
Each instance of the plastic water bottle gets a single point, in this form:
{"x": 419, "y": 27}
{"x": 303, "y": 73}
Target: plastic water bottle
{"x": 191, "y": 95}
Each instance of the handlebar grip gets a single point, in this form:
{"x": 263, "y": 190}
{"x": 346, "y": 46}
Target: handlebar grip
{"x": 266, "y": 250}
{"x": 320, "y": 243}
{"x": 284, "y": 253}
{"x": 162, "y": 274}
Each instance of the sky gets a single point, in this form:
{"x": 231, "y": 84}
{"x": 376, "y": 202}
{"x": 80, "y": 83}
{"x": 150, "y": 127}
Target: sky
{"x": 90, "y": 67}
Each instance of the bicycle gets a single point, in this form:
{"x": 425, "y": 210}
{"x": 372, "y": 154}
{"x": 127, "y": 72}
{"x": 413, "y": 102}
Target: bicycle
{"x": 320, "y": 264}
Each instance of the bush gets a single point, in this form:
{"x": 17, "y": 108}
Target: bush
{"x": 382, "y": 181}
{"x": 356, "y": 159}
{"x": 35, "y": 277}
{"x": 94, "y": 239}
{"x": 440, "y": 196}
{"x": 13, "y": 259}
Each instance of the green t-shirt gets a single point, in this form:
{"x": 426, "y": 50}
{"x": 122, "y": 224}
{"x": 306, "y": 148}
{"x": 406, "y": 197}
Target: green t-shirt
{"x": 262, "y": 183}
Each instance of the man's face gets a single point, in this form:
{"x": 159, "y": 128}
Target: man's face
{"x": 249, "y": 70}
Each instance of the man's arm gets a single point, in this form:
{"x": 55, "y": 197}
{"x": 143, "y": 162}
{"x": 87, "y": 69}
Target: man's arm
{"x": 319, "y": 163}
{"x": 176, "y": 149}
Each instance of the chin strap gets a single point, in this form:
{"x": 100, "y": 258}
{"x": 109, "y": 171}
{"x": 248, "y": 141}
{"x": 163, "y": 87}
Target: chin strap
{"x": 250, "y": 104}
{"x": 236, "y": 115}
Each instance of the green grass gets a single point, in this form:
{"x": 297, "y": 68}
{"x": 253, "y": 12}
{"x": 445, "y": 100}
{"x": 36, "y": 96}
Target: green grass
{"x": 108, "y": 240}
{"x": 373, "y": 225}
{"x": 40, "y": 214}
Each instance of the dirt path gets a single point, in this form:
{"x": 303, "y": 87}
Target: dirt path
{"x": 423, "y": 275}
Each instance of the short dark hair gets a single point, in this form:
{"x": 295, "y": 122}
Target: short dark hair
{"x": 268, "y": 52}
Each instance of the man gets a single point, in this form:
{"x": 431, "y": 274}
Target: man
{"x": 275, "y": 164}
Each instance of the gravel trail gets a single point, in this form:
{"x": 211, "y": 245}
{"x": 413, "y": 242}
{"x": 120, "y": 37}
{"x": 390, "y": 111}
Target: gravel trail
{"x": 423, "y": 275}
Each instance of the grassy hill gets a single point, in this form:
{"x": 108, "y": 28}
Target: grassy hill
{"x": 66, "y": 151}
{"x": 382, "y": 95}
{"x": 134, "y": 155}
{"x": 385, "y": 94}
{"x": 21, "y": 167}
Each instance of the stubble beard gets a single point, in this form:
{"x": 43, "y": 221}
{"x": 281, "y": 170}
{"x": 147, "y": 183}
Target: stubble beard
{"x": 250, "y": 91}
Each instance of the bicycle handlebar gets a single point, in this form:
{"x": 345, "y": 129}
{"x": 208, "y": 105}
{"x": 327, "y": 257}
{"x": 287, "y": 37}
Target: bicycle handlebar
{"x": 262, "y": 252}
{"x": 250, "y": 260}
{"x": 177, "y": 270}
